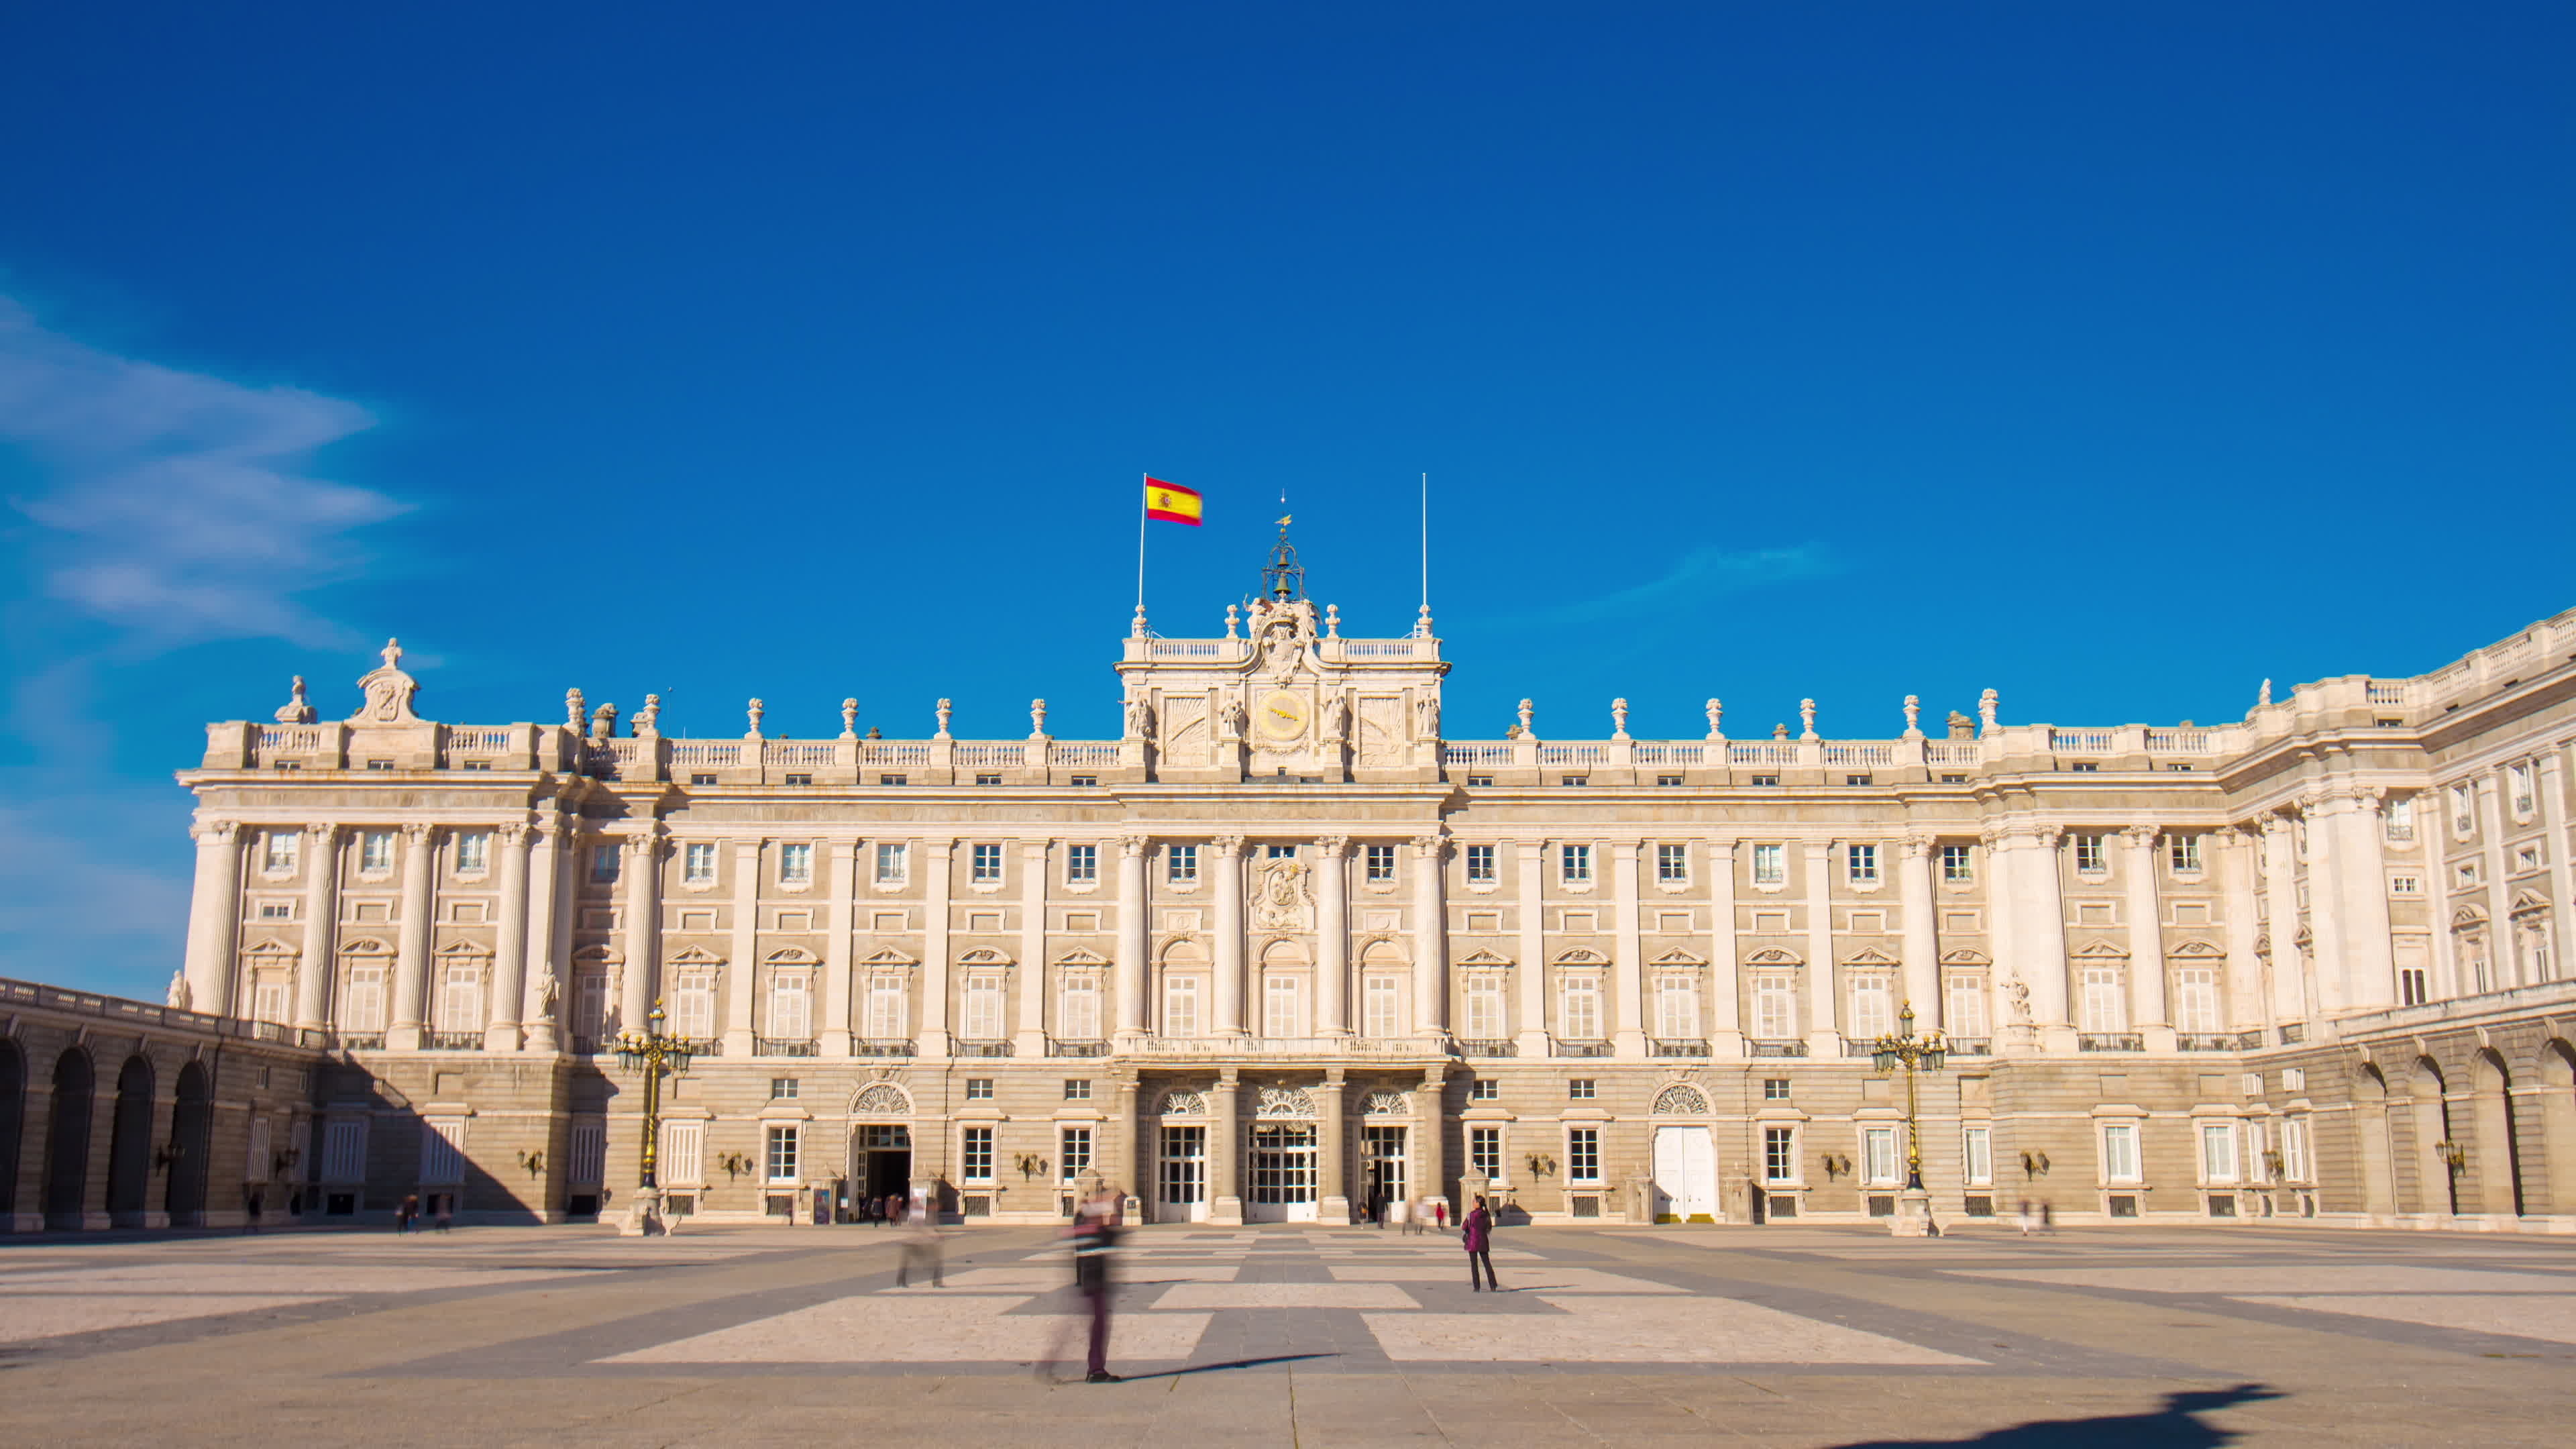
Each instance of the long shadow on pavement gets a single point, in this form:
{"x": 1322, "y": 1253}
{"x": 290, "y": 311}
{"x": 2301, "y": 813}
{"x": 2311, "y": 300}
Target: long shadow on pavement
{"x": 2176, "y": 1426}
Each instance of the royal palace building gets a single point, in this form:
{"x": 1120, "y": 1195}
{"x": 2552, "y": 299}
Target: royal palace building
{"x": 1285, "y": 950}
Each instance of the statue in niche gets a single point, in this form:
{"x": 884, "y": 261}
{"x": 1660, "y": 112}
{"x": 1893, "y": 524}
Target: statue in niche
{"x": 1140, "y": 718}
{"x": 1235, "y": 719}
{"x": 1337, "y": 717}
{"x": 297, "y": 709}
{"x": 547, "y": 994}
{"x": 1426, "y": 717}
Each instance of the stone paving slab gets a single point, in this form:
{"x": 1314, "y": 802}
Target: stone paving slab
{"x": 2521, "y": 1316}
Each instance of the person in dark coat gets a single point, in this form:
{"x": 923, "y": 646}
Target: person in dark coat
{"x": 1478, "y": 1237}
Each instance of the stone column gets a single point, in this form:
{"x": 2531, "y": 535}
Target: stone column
{"x": 214, "y": 919}
{"x": 1225, "y": 1149}
{"x": 2149, "y": 1011}
{"x": 1532, "y": 1041}
{"x": 1225, "y": 854}
{"x": 2281, "y": 894}
{"x": 2247, "y": 1005}
{"x": 1332, "y": 935}
{"x": 642, "y": 983}
{"x": 1725, "y": 988}
{"x": 1131, "y": 967}
{"x": 1824, "y": 1015}
{"x": 743, "y": 1017}
{"x": 510, "y": 942}
{"x": 937, "y": 858}
{"x": 2552, "y": 786}
{"x": 547, "y": 996}
{"x": 1922, "y": 940}
{"x": 1430, "y": 938}
{"x": 1627, "y": 966}
{"x": 411, "y": 958}
{"x": 321, "y": 927}
{"x": 1429, "y": 1160}
{"x": 2354, "y": 871}
{"x": 1036, "y": 979}
{"x": 1127, "y": 1171}
{"x": 2039, "y": 929}
{"x": 841, "y": 920}
{"x": 1332, "y": 1149}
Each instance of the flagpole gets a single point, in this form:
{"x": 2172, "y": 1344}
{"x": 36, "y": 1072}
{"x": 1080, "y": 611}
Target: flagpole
{"x": 1147, "y": 480}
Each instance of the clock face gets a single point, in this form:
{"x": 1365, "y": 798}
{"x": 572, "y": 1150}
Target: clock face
{"x": 1280, "y": 715}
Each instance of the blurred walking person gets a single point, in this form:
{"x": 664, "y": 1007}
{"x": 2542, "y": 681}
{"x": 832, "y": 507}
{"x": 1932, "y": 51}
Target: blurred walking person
{"x": 1095, "y": 1237}
{"x": 920, "y": 1244}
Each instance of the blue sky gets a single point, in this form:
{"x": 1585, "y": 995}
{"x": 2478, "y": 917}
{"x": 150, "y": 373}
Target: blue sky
{"x": 2113, "y": 357}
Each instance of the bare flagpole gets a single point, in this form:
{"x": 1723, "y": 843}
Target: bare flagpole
{"x": 1426, "y": 553}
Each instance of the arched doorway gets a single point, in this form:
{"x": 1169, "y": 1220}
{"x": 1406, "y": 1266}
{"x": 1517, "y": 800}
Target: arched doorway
{"x": 129, "y": 1146}
{"x": 2558, "y": 1123}
{"x": 192, "y": 1134}
{"x": 1685, "y": 1184}
{"x": 67, "y": 1140}
{"x": 13, "y": 1112}
{"x": 2499, "y": 1159}
{"x": 2370, "y": 1126}
{"x": 2437, "y": 1187}
{"x": 880, "y": 1164}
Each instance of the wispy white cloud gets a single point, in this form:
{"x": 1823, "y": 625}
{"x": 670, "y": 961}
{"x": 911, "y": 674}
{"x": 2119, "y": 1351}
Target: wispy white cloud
{"x": 174, "y": 504}
{"x": 167, "y": 508}
{"x": 1702, "y": 574}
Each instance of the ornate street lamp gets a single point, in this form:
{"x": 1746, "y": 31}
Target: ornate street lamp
{"x": 1910, "y": 1053}
{"x": 654, "y": 1054}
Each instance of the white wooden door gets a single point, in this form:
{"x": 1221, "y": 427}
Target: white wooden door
{"x": 1685, "y": 1173}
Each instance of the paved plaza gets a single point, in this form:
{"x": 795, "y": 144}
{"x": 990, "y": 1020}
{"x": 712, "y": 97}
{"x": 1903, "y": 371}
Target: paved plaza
{"x": 1274, "y": 1335}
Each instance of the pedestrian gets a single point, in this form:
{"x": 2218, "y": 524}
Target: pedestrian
{"x": 404, "y": 1214}
{"x": 2047, "y": 1217}
{"x": 1095, "y": 1238}
{"x": 446, "y": 1210}
{"x": 1377, "y": 1208}
{"x": 1440, "y": 1216}
{"x": 2028, "y": 1216}
{"x": 1477, "y": 1235}
{"x": 920, "y": 1247}
{"x": 251, "y": 1192}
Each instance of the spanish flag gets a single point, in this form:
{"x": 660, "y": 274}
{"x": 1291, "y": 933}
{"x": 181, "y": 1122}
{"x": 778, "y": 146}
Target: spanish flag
{"x": 1171, "y": 502}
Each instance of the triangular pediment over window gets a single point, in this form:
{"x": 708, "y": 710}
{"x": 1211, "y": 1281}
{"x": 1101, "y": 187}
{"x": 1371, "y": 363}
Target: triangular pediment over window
{"x": 1963, "y": 956}
{"x": 1678, "y": 957}
{"x": 887, "y": 956}
{"x": 1580, "y": 957}
{"x": 1869, "y": 956}
{"x": 1078, "y": 956}
{"x": 1774, "y": 956}
{"x": 1481, "y": 959}
{"x": 983, "y": 956}
{"x": 792, "y": 956}
{"x": 2101, "y": 951}
{"x": 696, "y": 956}
{"x": 2196, "y": 949}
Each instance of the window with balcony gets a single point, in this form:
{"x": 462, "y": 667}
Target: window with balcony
{"x": 1078, "y": 1009}
{"x": 278, "y": 850}
{"x": 1775, "y": 1008}
{"x": 1677, "y": 1008}
{"x": 376, "y": 853}
{"x": 1580, "y": 1005}
{"x": 1873, "y": 1014}
{"x": 1484, "y": 1009}
{"x": 1381, "y": 1009}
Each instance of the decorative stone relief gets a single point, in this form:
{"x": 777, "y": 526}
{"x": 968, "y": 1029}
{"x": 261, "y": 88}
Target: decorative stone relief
{"x": 1283, "y": 904}
{"x": 1388, "y": 1104}
{"x": 1284, "y": 1102}
{"x": 389, "y": 691}
{"x": 1680, "y": 1101}
{"x": 1184, "y": 1104}
{"x": 882, "y": 1099}
{"x": 1381, "y": 730}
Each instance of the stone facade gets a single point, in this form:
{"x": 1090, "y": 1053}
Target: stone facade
{"x": 1286, "y": 946}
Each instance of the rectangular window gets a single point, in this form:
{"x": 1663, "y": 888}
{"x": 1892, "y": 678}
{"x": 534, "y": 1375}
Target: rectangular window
{"x": 1775, "y": 1008}
{"x": 1484, "y": 1008}
{"x": 979, "y": 1089}
{"x": 1770, "y": 864}
{"x": 1486, "y": 1090}
{"x": 1878, "y": 1156}
{"x": 279, "y": 849}
{"x": 894, "y": 779}
{"x": 1958, "y": 867}
{"x": 2196, "y": 1000}
{"x": 1181, "y": 1006}
{"x": 1072, "y": 1153}
{"x": 1077, "y": 1089}
{"x": 2405, "y": 885}
{"x": 785, "y": 1089}
{"x": 800, "y": 779}
{"x": 2120, "y": 1152}
{"x": 993, "y": 779}
{"x": 975, "y": 1154}
{"x": 1084, "y": 782}
{"x": 473, "y": 852}
{"x": 2464, "y": 810}
{"x": 693, "y": 1007}
{"x": 886, "y": 1015}
{"x": 1574, "y": 863}
{"x": 1480, "y": 782}
{"x": 1968, "y": 1007}
{"x": 987, "y": 863}
{"x": 376, "y": 852}
{"x": 1862, "y": 861}
{"x": 1582, "y": 1089}
{"x": 344, "y": 1150}
{"x": 2414, "y": 986}
{"x": 1582, "y": 1015}
{"x": 1775, "y": 1089}
{"x": 1182, "y": 863}
{"x": 442, "y": 1152}
{"x": 791, "y": 1008}
{"x": 460, "y": 999}
{"x": 782, "y": 1152}
{"x": 796, "y": 863}
{"x": 1480, "y": 864}
{"x": 1078, "y": 1013}
{"x": 894, "y": 862}
{"x": 1672, "y": 864}
{"x": 2520, "y": 778}
{"x": 2104, "y": 1008}
{"x": 603, "y": 863}
{"x": 268, "y": 998}
{"x": 587, "y": 1160}
{"x": 2182, "y": 852}
{"x": 1677, "y": 1008}
{"x": 1872, "y": 1008}
{"x": 1279, "y": 1006}
{"x": 1779, "y": 1154}
{"x": 2089, "y": 856}
{"x": 699, "y": 864}
{"x": 1485, "y": 1153}
{"x": 1378, "y": 863}
{"x": 684, "y": 1152}
{"x": 2294, "y": 1148}
{"x": 983, "y": 1009}
{"x": 2218, "y": 1152}
{"x": 1380, "y": 1016}
{"x": 1574, "y": 782}
{"x": 590, "y": 1005}
{"x": 1583, "y": 1154}
{"x": 1668, "y": 781}
{"x": 1977, "y": 1155}
{"x": 1082, "y": 865}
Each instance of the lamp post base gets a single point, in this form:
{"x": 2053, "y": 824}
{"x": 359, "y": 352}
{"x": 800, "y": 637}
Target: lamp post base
{"x": 644, "y": 1216}
{"x": 1913, "y": 1216}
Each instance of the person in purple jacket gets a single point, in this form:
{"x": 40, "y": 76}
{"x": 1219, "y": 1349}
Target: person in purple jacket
{"x": 1478, "y": 1235}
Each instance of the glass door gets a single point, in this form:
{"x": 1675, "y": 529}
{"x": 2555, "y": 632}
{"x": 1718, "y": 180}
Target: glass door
{"x": 1182, "y": 1193}
{"x": 1382, "y": 1168}
{"x": 1283, "y": 1173}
